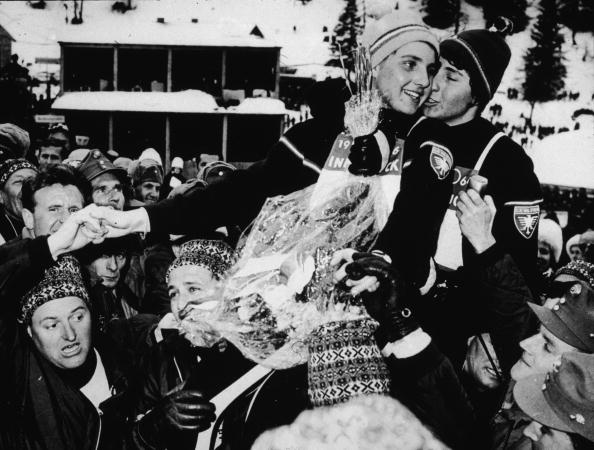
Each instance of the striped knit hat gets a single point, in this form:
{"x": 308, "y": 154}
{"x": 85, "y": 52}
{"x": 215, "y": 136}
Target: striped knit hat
{"x": 10, "y": 166}
{"x": 214, "y": 255}
{"x": 580, "y": 269}
{"x": 483, "y": 54}
{"x": 394, "y": 30}
{"x": 62, "y": 280}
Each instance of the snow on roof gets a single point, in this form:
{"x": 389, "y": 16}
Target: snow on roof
{"x": 190, "y": 101}
{"x": 166, "y": 34}
{"x": 316, "y": 72}
{"x": 566, "y": 159}
{"x": 260, "y": 105}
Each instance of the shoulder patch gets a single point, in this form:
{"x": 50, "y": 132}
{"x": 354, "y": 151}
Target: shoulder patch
{"x": 440, "y": 159}
{"x": 526, "y": 219}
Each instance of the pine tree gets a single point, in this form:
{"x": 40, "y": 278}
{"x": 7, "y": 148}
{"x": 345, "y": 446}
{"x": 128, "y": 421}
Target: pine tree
{"x": 544, "y": 67}
{"x": 514, "y": 10}
{"x": 441, "y": 13}
{"x": 577, "y": 15}
{"x": 349, "y": 27}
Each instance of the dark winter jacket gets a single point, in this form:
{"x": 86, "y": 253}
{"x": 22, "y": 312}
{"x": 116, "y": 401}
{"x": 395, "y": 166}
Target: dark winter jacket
{"x": 174, "y": 361}
{"x": 10, "y": 226}
{"x": 109, "y": 304}
{"x": 451, "y": 313}
{"x": 410, "y": 235}
{"x": 512, "y": 184}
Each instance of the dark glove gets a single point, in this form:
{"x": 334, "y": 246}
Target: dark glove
{"x": 179, "y": 411}
{"x": 365, "y": 156}
{"x": 387, "y": 304}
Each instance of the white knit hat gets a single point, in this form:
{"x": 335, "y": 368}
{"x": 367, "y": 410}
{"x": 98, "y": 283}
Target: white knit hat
{"x": 550, "y": 232}
{"x": 394, "y": 30}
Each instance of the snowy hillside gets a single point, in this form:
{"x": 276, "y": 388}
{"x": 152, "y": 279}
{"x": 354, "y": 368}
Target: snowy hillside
{"x": 297, "y": 28}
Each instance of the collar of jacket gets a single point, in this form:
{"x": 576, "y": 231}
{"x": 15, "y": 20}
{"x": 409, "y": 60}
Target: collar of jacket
{"x": 397, "y": 121}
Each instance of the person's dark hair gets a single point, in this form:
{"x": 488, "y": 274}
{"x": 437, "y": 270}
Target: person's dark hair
{"x": 460, "y": 64}
{"x": 51, "y": 142}
{"x": 58, "y": 174}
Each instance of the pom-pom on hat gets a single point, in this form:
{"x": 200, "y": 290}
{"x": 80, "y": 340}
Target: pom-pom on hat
{"x": 214, "y": 255}
{"x": 392, "y": 31}
{"x": 62, "y": 280}
{"x": 483, "y": 54}
{"x": 10, "y": 166}
{"x": 550, "y": 232}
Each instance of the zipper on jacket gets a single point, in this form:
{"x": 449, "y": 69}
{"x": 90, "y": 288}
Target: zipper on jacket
{"x": 99, "y": 414}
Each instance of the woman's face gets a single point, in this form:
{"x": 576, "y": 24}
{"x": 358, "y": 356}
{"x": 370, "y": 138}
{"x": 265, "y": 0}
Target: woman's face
{"x": 404, "y": 78}
{"x": 189, "y": 285}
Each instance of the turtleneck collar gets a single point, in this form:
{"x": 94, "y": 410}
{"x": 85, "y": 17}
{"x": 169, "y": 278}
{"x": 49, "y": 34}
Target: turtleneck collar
{"x": 81, "y": 375}
{"x": 398, "y": 120}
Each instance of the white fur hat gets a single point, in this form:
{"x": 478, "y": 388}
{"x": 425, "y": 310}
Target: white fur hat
{"x": 151, "y": 153}
{"x": 574, "y": 240}
{"x": 550, "y": 232}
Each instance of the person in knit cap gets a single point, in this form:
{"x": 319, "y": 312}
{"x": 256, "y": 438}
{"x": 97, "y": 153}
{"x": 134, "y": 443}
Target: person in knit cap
{"x": 404, "y": 54}
{"x": 68, "y": 385}
{"x": 14, "y": 142}
{"x": 204, "y": 370}
{"x": 472, "y": 65}
{"x": 13, "y": 173}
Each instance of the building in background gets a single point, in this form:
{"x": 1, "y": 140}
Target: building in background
{"x": 183, "y": 88}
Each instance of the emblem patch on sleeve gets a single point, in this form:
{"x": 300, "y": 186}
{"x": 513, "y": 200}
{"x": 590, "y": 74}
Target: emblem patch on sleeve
{"x": 441, "y": 160}
{"x": 526, "y": 219}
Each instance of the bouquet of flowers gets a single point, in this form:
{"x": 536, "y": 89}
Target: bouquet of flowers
{"x": 281, "y": 288}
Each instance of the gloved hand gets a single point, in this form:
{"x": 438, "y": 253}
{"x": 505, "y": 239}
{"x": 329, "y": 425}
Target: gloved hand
{"x": 365, "y": 156}
{"x": 178, "y": 411}
{"x": 387, "y": 304}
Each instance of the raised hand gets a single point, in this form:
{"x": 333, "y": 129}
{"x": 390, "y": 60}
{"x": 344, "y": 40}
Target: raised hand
{"x": 78, "y": 230}
{"x": 476, "y": 216}
{"x": 122, "y": 223}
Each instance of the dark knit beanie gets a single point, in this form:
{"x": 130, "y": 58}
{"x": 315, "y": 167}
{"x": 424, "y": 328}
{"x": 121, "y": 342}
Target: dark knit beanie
{"x": 483, "y": 54}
